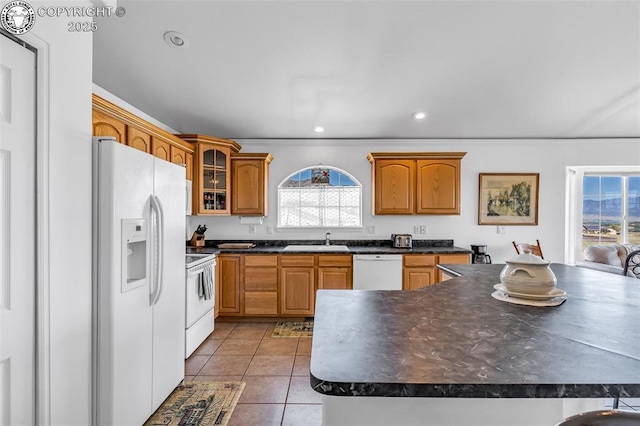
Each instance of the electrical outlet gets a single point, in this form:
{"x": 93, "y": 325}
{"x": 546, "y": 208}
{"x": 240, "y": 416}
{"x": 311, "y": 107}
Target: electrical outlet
{"x": 371, "y": 229}
{"x": 252, "y": 229}
{"x": 423, "y": 229}
{"x": 416, "y": 229}
{"x": 502, "y": 230}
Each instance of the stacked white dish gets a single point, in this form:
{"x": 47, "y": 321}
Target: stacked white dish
{"x": 528, "y": 278}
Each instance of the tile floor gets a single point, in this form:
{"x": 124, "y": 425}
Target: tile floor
{"x": 275, "y": 370}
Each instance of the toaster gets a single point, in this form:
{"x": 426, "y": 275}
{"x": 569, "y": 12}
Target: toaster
{"x": 402, "y": 240}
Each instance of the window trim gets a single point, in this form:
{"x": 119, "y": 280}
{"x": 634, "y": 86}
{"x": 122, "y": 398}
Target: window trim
{"x": 359, "y": 185}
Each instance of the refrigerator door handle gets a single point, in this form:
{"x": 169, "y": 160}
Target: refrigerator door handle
{"x": 156, "y": 207}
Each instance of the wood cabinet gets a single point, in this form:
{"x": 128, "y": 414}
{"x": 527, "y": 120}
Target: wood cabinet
{"x": 212, "y": 177}
{"x": 228, "y": 296}
{"x": 138, "y": 139}
{"x": 419, "y": 270}
{"x": 250, "y": 184}
{"x": 260, "y": 274}
{"x": 110, "y": 120}
{"x": 106, "y": 125}
{"x": 278, "y": 285}
{"x": 335, "y": 272}
{"x": 416, "y": 183}
{"x": 451, "y": 259}
{"x": 297, "y": 285}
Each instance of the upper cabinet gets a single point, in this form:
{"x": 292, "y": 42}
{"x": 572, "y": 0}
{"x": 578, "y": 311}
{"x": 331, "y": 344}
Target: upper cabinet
{"x": 250, "y": 184}
{"x": 416, "y": 182}
{"x": 212, "y": 175}
{"x": 110, "y": 120}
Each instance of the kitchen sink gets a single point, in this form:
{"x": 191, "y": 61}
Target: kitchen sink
{"x": 316, "y": 248}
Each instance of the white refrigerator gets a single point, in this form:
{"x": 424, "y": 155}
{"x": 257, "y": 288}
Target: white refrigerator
{"x": 139, "y": 297}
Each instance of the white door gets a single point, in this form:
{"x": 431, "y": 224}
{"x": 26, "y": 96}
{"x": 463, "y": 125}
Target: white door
{"x": 17, "y": 233}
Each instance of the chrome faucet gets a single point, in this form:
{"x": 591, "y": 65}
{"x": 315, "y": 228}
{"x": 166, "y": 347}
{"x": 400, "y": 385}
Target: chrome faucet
{"x": 327, "y": 240}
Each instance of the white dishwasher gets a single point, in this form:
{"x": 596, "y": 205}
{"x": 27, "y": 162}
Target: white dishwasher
{"x": 377, "y": 272}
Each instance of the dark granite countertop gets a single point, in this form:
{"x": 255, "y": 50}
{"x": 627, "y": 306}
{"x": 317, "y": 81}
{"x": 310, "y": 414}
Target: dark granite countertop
{"x": 355, "y": 247}
{"x": 453, "y": 339}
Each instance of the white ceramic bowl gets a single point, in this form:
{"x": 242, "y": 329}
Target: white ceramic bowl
{"x": 528, "y": 274}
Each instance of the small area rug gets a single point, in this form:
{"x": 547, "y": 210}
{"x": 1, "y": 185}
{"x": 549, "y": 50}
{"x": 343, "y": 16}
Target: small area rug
{"x": 293, "y": 329}
{"x": 198, "y": 403}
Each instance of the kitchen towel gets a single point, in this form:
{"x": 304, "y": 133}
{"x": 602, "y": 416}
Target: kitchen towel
{"x": 206, "y": 282}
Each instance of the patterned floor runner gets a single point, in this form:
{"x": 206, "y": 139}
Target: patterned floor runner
{"x": 198, "y": 403}
{"x": 293, "y": 329}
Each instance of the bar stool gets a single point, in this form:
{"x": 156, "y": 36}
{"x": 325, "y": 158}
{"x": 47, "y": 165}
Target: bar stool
{"x": 603, "y": 418}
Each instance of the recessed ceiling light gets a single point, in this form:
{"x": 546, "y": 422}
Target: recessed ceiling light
{"x": 318, "y": 129}
{"x": 175, "y": 39}
{"x": 419, "y": 115}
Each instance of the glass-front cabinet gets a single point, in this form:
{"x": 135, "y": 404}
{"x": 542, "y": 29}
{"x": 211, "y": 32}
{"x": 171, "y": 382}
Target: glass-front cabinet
{"x": 211, "y": 189}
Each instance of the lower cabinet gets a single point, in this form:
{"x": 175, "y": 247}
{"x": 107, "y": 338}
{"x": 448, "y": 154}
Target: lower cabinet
{"x": 335, "y": 272}
{"x": 260, "y": 284}
{"x": 228, "y": 284}
{"x": 297, "y": 285}
{"x": 419, "y": 270}
{"x": 277, "y": 285}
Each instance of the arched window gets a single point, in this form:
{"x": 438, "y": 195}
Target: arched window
{"x": 320, "y": 197}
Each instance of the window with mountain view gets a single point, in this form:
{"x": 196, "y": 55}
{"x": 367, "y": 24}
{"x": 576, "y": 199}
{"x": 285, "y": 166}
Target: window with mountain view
{"x": 320, "y": 196}
{"x": 610, "y": 209}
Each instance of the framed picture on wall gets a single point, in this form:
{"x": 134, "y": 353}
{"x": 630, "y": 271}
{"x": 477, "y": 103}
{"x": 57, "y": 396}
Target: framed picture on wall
{"x": 508, "y": 199}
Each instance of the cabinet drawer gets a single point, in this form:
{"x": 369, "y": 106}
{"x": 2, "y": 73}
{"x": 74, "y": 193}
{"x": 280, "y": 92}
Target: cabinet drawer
{"x": 293, "y": 260}
{"x": 266, "y": 260}
{"x": 418, "y": 260}
{"x": 257, "y": 279}
{"x": 261, "y": 303}
{"x": 335, "y": 260}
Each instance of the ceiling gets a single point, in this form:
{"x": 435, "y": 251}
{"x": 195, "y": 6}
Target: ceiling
{"x": 479, "y": 69}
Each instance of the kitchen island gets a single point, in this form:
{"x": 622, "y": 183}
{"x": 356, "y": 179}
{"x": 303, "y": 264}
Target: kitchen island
{"x": 452, "y": 354}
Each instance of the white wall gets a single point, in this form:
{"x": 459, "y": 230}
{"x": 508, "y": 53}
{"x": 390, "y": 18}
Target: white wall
{"x": 547, "y": 157}
{"x": 64, "y": 125}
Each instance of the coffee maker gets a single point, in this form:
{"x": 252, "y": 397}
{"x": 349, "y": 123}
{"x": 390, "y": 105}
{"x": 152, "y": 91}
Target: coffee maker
{"x": 480, "y": 254}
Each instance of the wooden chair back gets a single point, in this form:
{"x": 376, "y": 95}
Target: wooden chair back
{"x": 535, "y": 249}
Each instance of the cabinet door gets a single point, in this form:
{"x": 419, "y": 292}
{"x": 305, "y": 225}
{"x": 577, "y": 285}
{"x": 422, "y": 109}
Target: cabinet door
{"x": 444, "y": 259}
{"x": 248, "y": 187}
{"x": 105, "y": 125}
{"x": 161, "y": 149}
{"x": 394, "y": 187}
{"x": 415, "y": 278}
{"x": 297, "y": 291}
{"x": 438, "y": 186}
{"x": 335, "y": 278}
{"x": 138, "y": 139}
{"x": 228, "y": 297}
{"x": 178, "y": 156}
{"x": 212, "y": 180}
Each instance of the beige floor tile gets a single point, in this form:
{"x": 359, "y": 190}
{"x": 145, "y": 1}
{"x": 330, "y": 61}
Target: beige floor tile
{"x": 203, "y": 378}
{"x": 257, "y": 415}
{"x": 194, "y": 363}
{"x": 226, "y": 365}
{"x": 188, "y": 378}
{"x": 267, "y": 334}
{"x": 271, "y": 365}
{"x": 300, "y": 392}
{"x": 304, "y": 346}
{"x": 248, "y": 331}
{"x": 208, "y": 347}
{"x": 281, "y": 346}
{"x": 238, "y": 347}
{"x": 222, "y": 330}
{"x": 265, "y": 390}
{"x": 301, "y": 365}
{"x": 302, "y": 414}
